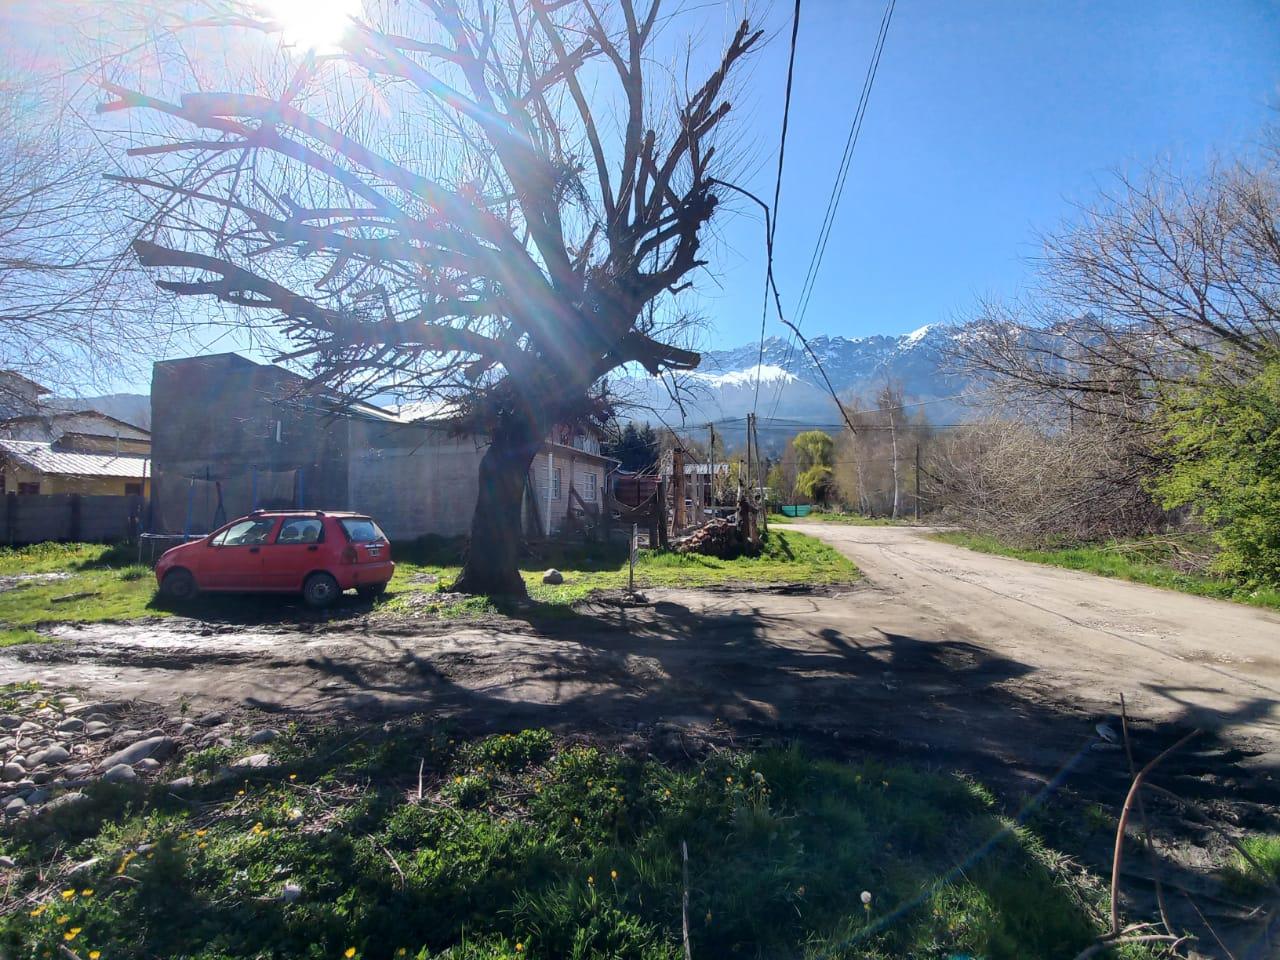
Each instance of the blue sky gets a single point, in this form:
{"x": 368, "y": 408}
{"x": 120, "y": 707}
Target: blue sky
{"x": 988, "y": 121}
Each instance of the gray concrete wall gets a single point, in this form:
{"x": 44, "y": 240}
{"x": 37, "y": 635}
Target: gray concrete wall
{"x": 413, "y": 479}
{"x": 224, "y": 418}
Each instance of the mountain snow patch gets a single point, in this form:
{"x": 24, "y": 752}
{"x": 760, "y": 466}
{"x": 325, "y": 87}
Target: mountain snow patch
{"x": 768, "y": 373}
{"x": 915, "y": 336}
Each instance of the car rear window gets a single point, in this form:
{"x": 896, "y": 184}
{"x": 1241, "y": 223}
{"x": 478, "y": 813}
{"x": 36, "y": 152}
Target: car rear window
{"x": 361, "y": 530}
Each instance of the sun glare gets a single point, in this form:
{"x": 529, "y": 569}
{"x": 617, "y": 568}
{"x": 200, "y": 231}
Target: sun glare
{"x": 313, "y": 24}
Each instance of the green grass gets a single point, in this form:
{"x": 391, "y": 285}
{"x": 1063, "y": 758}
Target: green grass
{"x": 853, "y": 519}
{"x": 104, "y": 585}
{"x": 1149, "y": 563}
{"x": 525, "y": 846}
{"x": 1243, "y": 877}
{"x": 787, "y": 557}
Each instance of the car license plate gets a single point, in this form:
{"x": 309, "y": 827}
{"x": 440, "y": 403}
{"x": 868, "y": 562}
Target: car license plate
{"x": 375, "y": 551}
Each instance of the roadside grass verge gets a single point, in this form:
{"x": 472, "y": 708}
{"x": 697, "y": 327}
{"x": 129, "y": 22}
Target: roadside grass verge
{"x": 525, "y": 846}
{"x": 96, "y": 591}
{"x": 853, "y": 519}
{"x": 1243, "y": 877}
{"x": 1139, "y": 561}
{"x": 786, "y": 557}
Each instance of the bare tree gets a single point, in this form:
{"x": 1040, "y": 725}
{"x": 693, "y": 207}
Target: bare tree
{"x": 74, "y": 312}
{"x": 1160, "y": 275}
{"x": 489, "y": 225}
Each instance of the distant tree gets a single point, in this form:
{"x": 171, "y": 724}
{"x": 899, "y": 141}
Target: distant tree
{"x": 1221, "y": 443}
{"x": 636, "y": 447}
{"x": 817, "y": 483}
{"x": 491, "y": 218}
{"x": 813, "y": 449}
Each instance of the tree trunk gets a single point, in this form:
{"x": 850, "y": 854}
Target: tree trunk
{"x": 492, "y": 564}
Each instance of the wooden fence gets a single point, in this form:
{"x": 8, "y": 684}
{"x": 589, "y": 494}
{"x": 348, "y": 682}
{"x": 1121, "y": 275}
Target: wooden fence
{"x": 69, "y": 517}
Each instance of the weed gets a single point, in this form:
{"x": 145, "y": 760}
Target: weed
{"x": 1242, "y": 876}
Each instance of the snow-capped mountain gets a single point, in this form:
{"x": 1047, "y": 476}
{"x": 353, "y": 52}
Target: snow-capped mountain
{"x": 792, "y": 388}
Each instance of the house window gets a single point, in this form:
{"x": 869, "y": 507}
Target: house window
{"x": 133, "y": 489}
{"x": 555, "y": 484}
{"x": 589, "y": 490}
{"x": 29, "y": 488}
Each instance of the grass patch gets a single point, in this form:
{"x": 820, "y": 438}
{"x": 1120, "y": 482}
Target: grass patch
{"x": 57, "y": 557}
{"x": 852, "y": 519}
{"x": 526, "y": 846}
{"x": 14, "y": 638}
{"x": 786, "y": 557}
{"x": 86, "y": 597}
{"x": 1152, "y": 563}
{"x": 1243, "y": 877}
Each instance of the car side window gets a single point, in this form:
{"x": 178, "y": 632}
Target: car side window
{"x": 245, "y": 533}
{"x": 301, "y": 530}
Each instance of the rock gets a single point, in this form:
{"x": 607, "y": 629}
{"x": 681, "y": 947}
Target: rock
{"x": 15, "y": 807}
{"x": 75, "y": 798}
{"x": 102, "y": 710}
{"x": 290, "y": 892}
{"x": 97, "y": 730}
{"x": 83, "y": 866}
{"x": 553, "y": 576}
{"x": 29, "y": 726}
{"x": 187, "y": 729}
{"x": 120, "y": 773}
{"x": 182, "y": 784}
{"x": 264, "y": 736}
{"x": 71, "y": 725}
{"x": 123, "y": 737}
{"x": 38, "y": 795}
{"x": 53, "y": 755}
{"x": 153, "y": 732}
{"x": 67, "y": 700}
{"x": 159, "y": 747}
{"x": 77, "y": 770}
{"x": 7, "y": 863}
{"x": 10, "y": 722}
{"x": 254, "y": 761}
{"x": 42, "y": 776}
{"x": 212, "y": 719}
{"x": 147, "y": 765}
{"x": 12, "y": 772}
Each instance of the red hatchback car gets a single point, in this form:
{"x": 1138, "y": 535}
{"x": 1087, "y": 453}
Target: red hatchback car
{"x": 317, "y": 553}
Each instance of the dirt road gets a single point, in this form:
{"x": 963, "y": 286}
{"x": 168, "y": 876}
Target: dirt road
{"x": 1088, "y": 638}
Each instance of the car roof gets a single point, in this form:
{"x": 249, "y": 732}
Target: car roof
{"x": 339, "y": 514}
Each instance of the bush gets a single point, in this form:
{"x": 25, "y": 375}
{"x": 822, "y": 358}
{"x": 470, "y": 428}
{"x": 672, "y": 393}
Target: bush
{"x": 1222, "y": 444}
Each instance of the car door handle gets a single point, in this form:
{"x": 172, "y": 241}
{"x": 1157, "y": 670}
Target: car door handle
{"x": 313, "y": 548}
{"x": 255, "y": 549}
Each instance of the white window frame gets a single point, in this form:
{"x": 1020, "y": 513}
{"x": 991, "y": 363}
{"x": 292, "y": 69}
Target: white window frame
{"x": 555, "y": 483}
{"x": 592, "y": 485}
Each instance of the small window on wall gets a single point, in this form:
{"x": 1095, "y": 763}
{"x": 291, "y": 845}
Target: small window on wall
{"x": 555, "y": 484}
{"x": 133, "y": 489}
{"x": 31, "y": 489}
{"x": 589, "y": 487}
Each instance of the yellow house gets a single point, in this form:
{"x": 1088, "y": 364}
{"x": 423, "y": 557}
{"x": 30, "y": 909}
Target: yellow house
{"x": 30, "y": 467}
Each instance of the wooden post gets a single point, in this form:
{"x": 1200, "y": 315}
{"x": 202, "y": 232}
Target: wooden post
{"x": 660, "y": 511}
{"x": 76, "y": 517}
{"x": 917, "y": 483}
{"x": 631, "y": 560}
{"x": 677, "y": 479}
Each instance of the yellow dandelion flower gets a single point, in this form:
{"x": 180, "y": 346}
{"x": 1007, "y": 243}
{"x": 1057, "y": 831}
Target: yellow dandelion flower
{"x": 239, "y": 793}
{"x": 519, "y": 948}
{"x": 613, "y": 789}
{"x": 72, "y": 933}
{"x": 63, "y": 919}
{"x": 201, "y": 833}
{"x": 202, "y": 845}
{"x": 87, "y": 892}
{"x": 401, "y": 952}
{"x": 613, "y": 874}
{"x": 68, "y": 894}
{"x": 293, "y": 776}
{"x": 183, "y": 836}
{"x": 576, "y": 821}
{"x": 95, "y": 954}
{"x": 349, "y": 952}
{"x": 257, "y": 827}
{"x": 728, "y": 779}
{"x": 39, "y": 910}
{"x": 591, "y": 881}
{"x": 884, "y": 783}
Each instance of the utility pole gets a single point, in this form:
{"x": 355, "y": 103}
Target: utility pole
{"x": 917, "y": 482}
{"x": 711, "y": 467}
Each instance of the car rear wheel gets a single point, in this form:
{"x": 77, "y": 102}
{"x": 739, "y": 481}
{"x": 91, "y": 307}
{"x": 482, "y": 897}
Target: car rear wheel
{"x": 320, "y": 590}
{"x": 371, "y": 591}
{"x": 179, "y": 585}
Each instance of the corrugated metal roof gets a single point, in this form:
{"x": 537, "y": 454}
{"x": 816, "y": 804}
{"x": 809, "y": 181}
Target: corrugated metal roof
{"x": 42, "y": 458}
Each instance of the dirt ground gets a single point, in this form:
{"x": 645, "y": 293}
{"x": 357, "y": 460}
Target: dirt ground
{"x": 941, "y": 656}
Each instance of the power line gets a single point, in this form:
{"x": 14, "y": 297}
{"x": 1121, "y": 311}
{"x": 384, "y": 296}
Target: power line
{"x": 837, "y": 190}
{"x": 771, "y": 228}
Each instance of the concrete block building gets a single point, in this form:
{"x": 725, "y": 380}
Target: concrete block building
{"x": 229, "y": 435}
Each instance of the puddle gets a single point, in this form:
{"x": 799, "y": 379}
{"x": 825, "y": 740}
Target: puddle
{"x": 22, "y": 579}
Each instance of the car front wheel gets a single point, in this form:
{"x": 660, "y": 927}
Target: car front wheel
{"x": 179, "y": 585}
{"x": 320, "y": 590}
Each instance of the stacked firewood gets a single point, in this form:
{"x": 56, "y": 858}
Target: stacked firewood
{"x": 716, "y": 538}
